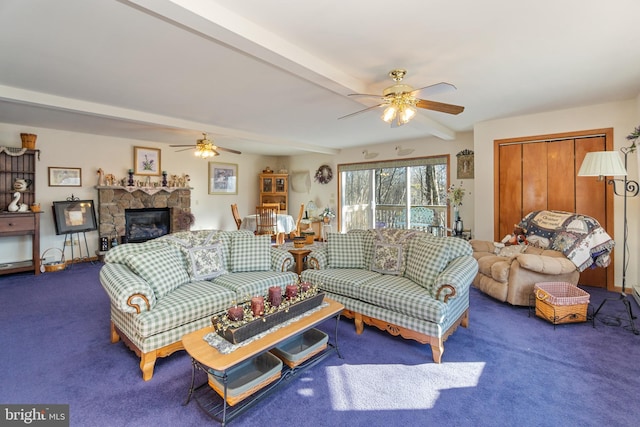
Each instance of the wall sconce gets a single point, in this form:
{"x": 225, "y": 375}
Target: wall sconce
{"x": 404, "y": 151}
{"x": 368, "y": 155}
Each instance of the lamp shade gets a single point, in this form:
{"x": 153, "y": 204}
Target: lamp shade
{"x": 602, "y": 163}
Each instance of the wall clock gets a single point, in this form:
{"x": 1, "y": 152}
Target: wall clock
{"x": 324, "y": 174}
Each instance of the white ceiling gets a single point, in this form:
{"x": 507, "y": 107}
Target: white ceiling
{"x": 272, "y": 77}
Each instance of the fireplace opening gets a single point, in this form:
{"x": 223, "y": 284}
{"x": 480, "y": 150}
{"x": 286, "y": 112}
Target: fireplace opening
{"x": 146, "y": 224}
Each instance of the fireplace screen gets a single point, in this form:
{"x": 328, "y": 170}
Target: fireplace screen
{"x": 146, "y": 224}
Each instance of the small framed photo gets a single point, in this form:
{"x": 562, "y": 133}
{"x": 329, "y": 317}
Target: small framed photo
{"x": 146, "y": 161}
{"x": 65, "y": 177}
{"x": 223, "y": 178}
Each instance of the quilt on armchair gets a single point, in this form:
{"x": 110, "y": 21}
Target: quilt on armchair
{"x": 579, "y": 237}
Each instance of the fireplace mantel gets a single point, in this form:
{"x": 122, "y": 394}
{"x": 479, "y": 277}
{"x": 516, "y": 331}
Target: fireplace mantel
{"x": 148, "y": 190}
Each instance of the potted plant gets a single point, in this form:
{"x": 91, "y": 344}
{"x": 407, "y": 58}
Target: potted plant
{"x": 327, "y": 214}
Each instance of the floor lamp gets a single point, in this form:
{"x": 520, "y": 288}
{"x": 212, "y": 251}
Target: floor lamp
{"x": 608, "y": 163}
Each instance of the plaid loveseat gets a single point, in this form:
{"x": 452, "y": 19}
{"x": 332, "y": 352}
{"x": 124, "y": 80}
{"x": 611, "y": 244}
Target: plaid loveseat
{"x": 167, "y": 287}
{"x": 406, "y": 282}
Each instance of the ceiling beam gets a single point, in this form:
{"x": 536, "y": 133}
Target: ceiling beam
{"x": 55, "y": 102}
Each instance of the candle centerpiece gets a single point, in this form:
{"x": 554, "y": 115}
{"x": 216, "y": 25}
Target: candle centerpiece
{"x": 259, "y": 314}
{"x": 291, "y": 291}
{"x": 275, "y": 296}
{"x": 235, "y": 313}
{"x": 257, "y": 306}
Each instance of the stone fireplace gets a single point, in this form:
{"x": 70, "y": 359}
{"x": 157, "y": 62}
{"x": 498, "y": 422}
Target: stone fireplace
{"x": 114, "y": 201}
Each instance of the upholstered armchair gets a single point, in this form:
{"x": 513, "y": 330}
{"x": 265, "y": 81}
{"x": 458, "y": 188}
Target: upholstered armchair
{"x": 508, "y": 274}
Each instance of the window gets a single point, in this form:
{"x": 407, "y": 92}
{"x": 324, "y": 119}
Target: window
{"x": 394, "y": 194}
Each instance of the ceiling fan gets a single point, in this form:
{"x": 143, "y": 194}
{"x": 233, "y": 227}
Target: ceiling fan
{"x": 401, "y": 100}
{"x": 205, "y": 148}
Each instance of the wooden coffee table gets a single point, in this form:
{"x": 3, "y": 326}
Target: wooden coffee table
{"x": 207, "y": 359}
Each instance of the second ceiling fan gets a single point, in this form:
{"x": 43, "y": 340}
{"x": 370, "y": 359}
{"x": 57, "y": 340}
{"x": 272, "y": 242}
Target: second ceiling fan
{"x": 205, "y": 148}
{"x": 401, "y": 100}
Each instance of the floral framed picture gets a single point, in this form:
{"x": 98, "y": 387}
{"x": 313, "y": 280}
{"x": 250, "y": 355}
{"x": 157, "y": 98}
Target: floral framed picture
{"x": 146, "y": 161}
{"x": 223, "y": 178}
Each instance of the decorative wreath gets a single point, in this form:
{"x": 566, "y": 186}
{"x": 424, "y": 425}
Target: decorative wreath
{"x": 324, "y": 174}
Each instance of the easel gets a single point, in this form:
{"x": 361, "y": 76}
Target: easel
{"x": 69, "y": 236}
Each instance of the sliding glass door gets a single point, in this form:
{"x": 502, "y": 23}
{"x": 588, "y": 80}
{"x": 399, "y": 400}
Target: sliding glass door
{"x": 394, "y": 194}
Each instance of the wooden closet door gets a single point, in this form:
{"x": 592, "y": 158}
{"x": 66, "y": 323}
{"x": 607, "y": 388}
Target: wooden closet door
{"x": 540, "y": 173}
{"x": 591, "y": 201}
{"x": 534, "y": 181}
{"x": 561, "y": 176}
{"x": 510, "y": 189}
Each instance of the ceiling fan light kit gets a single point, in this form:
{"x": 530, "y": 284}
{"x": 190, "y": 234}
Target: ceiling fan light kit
{"x": 401, "y": 102}
{"x": 205, "y": 148}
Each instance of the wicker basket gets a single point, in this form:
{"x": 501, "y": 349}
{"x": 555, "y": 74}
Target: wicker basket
{"x": 28, "y": 140}
{"x": 561, "y": 302}
{"x": 54, "y": 265}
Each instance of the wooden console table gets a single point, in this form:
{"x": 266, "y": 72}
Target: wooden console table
{"x": 22, "y": 224}
{"x": 207, "y": 359}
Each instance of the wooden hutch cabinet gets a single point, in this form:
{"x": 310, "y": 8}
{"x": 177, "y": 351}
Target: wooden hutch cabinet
{"x": 15, "y": 164}
{"x": 274, "y": 188}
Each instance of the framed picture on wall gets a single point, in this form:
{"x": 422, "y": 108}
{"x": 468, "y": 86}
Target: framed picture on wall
{"x": 223, "y": 178}
{"x": 465, "y": 164}
{"x": 65, "y": 177}
{"x": 146, "y": 161}
{"x": 74, "y": 216}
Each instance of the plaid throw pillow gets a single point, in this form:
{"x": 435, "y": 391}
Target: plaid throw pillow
{"x": 345, "y": 250}
{"x": 163, "y": 269}
{"x": 425, "y": 261}
{"x": 206, "y": 262}
{"x": 250, "y": 253}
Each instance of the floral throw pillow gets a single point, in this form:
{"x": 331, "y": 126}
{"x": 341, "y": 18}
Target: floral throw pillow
{"x": 387, "y": 258}
{"x": 389, "y": 250}
{"x": 206, "y": 262}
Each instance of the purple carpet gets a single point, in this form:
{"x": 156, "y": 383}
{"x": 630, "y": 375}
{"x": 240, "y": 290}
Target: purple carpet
{"x": 507, "y": 368}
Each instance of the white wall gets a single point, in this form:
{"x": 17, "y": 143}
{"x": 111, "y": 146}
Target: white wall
{"x": 114, "y": 155}
{"x": 623, "y": 117}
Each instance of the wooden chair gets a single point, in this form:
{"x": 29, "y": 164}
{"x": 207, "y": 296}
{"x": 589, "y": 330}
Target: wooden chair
{"x": 272, "y": 205}
{"x": 297, "y": 231}
{"x": 266, "y": 220}
{"x": 236, "y": 215}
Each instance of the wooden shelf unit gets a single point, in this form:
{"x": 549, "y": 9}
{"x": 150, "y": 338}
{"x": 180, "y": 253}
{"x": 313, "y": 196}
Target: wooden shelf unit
{"x": 19, "y": 166}
{"x": 274, "y": 188}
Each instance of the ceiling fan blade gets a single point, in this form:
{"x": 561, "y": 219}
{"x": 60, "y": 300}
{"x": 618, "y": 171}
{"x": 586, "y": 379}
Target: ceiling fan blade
{"x": 229, "y": 150}
{"x": 434, "y": 89}
{"x": 361, "y": 111}
{"x": 185, "y": 149}
{"x": 186, "y": 145}
{"x": 439, "y": 106}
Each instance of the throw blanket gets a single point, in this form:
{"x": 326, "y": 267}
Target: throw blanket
{"x": 579, "y": 237}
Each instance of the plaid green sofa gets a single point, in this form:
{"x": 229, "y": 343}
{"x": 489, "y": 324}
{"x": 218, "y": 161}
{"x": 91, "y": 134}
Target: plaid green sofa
{"x": 167, "y": 287}
{"x": 405, "y": 282}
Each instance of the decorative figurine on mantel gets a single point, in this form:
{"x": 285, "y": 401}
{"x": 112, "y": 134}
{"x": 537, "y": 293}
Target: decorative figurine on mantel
{"x": 101, "y": 181}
